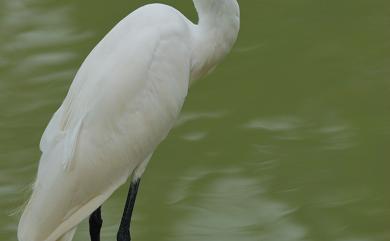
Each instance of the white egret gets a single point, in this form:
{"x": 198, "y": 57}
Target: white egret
{"x": 122, "y": 103}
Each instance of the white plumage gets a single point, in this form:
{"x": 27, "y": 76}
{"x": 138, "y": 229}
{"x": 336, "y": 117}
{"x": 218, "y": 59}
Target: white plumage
{"x": 122, "y": 103}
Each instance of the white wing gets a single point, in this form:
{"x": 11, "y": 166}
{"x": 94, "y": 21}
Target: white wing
{"x": 122, "y": 103}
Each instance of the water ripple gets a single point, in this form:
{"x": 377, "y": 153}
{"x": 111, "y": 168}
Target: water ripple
{"x": 233, "y": 207}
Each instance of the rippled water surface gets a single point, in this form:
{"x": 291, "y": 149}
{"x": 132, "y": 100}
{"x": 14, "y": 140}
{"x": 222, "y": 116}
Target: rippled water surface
{"x": 288, "y": 140}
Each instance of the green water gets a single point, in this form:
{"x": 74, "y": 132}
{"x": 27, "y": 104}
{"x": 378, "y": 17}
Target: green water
{"x": 287, "y": 140}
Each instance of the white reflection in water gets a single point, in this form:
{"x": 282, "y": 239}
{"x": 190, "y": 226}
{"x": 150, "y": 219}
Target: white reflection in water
{"x": 249, "y": 48}
{"x": 274, "y": 124}
{"x": 46, "y": 78}
{"x": 231, "y": 206}
{"x": 340, "y": 198}
{"x": 194, "y": 136}
{"x": 334, "y": 134}
{"x": 39, "y": 35}
{"x": 43, "y": 38}
{"x": 191, "y": 116}
{"x": 337, "y": 136}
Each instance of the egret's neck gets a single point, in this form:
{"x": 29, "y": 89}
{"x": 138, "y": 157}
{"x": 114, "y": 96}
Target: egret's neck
{"x": 215, "y": 34}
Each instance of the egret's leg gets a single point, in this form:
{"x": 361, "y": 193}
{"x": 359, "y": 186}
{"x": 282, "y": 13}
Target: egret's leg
{"x": 124, "y": 228}
{"x": 95, "y": 224}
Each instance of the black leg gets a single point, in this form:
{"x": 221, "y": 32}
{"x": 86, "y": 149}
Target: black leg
{"x": 124, "y": 228}
{"x": 95, "y": 224}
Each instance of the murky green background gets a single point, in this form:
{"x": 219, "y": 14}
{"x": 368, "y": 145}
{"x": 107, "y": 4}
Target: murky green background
{"x": 287, "y": 140}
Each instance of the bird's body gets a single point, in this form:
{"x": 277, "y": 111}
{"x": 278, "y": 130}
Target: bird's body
{"x": 122, "y": 103}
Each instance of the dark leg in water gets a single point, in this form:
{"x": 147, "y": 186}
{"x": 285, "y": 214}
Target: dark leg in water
{"x": 95, "y": 224}
{"x": 124, "y": 228}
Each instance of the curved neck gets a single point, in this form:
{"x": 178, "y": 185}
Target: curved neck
{"x": 215, "y": 33}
